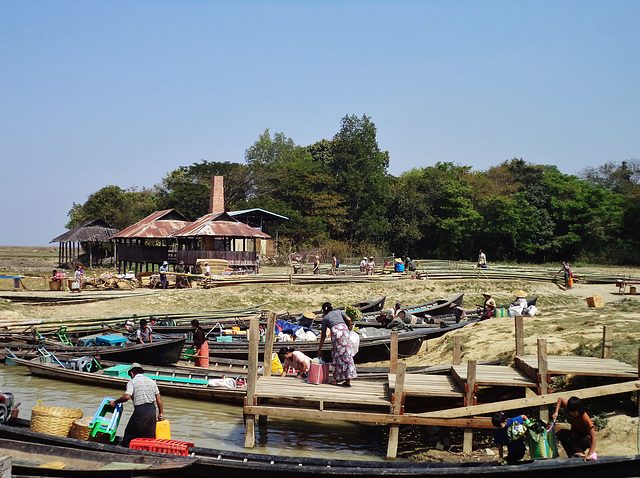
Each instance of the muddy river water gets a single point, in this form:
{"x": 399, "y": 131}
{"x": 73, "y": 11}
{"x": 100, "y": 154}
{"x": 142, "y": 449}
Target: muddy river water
{"x": 211, "y": 425}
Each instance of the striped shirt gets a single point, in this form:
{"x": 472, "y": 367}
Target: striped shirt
{"x": 142, "y": 390}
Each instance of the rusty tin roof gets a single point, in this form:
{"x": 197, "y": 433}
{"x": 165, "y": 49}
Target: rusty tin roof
{"x": 158, "y": 225}
{"x": 219, "y": 224}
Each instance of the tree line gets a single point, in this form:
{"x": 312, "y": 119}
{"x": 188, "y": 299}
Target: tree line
{"x": 338, "y": 194}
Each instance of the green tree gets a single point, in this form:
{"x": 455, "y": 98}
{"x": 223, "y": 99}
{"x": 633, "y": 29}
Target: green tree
{"x": 360, "y": 170}
{"x": 115, "y": 205}
{"x": 188, "y": 188}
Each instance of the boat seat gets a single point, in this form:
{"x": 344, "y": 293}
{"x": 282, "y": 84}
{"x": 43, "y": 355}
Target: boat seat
{"x": 102, "y": 422}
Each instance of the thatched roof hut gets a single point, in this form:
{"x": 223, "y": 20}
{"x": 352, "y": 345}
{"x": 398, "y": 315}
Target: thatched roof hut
{"x": 92, "y": 236}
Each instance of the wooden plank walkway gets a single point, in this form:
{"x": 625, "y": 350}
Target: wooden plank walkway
{"x": 574, "y": 365}
{"x": 497, "y": 375}
{"x": 428, "y": 385}
{"x": 360, "y": 393}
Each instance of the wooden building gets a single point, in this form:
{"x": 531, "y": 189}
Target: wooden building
{"x": 87, "y": 244}
{"x": 146, "y": 244}
{"x": 169, "y": 236}
{"x": 219, "y": 236}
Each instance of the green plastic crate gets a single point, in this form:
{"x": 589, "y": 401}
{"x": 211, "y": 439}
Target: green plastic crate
{"x": 121, "y": 370}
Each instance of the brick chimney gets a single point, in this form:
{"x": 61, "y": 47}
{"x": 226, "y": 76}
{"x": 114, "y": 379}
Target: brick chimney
{"x": 216, "y": 201}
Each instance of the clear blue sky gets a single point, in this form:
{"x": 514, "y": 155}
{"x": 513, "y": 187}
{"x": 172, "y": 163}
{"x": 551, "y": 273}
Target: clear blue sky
{"x": 94, "y": 93}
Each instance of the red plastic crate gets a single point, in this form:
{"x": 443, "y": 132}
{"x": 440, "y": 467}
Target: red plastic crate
{"x": 172, "y": 447}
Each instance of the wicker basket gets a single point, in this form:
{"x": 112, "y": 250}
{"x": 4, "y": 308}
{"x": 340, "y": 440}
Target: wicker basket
{"x": 80, "y": 429}
{"x": 53, "y": 420}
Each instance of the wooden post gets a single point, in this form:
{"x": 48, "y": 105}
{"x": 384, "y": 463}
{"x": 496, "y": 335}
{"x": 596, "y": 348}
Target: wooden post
{"x": 607, "y": 342}
{"x": 396, "y": 409}
{"x": 457, "y": 350}
{"x": 467, "y": 445}
{"x": 393, "y": 359}
{"x": 543, "y": 371}
{"x": 252, "y": 381}
{"x": 519, "y": 336}
{"x": 268, "y": 345}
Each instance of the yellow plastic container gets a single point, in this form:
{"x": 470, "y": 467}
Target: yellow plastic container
{"x": 163, "y": 430}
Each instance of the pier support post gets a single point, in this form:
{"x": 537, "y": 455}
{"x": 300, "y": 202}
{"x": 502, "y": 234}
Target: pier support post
{"x": 396, "y": 409}
{"x": 467, "y": 444}
{"x": 252, "y": 381}
{"x": 393, "y": 353}
{"x": 268, "y": 344}
{"x": 543, "y": 376}
{"x": 457, "y": 350}
{"x": 607, "y": 342}
{"x": 519, "y": 335}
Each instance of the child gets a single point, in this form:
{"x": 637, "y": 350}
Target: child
{"x": 582, "y": 435}
{"x": 515, "y": 447}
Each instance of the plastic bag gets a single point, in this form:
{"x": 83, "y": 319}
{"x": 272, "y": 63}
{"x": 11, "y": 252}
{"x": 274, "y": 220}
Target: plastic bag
{"x": 516, "y": 430}
{"x": 276, "y": 366}
{"x": 531, "y": 311}
{"x": 311, "y": 335}
{"x": 515, "y": 310}
{"x": 354, "y": 339}
{"x": 300, "y": 334}
{"x": 223, "y": 382}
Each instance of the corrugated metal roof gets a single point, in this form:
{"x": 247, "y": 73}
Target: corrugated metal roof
{"x": 219, "y": 224}
{"x": 257, "y": 212}
{"x": 157, "y": 225}
{"x": 93, "y": 230}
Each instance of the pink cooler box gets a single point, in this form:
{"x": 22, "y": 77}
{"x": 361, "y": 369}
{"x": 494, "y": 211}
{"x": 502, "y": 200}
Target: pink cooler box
{"x": 318, "y": 373}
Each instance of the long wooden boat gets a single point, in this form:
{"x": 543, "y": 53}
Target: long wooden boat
{"x": 29, "y": 458}
{"x": 160, "y": 352}
{"x": 185, "y": 382}
{"x": 366, "y": 307}
{"x": 428, "y": 309}
{"x": 372, "y": 349}
{"x": 441, "y": 319}
{"x": 214, "y": 462}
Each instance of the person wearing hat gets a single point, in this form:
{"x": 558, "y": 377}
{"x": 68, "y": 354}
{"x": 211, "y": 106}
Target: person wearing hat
{"x": 207, "y": 269}
{"x": 291, "y": 357}
{"x": 363, "y": 265}
{"x": 488, "y": 306}
{"x": 164, "y": 268}
{"x": 181, "y": 281}
{"x": 144, "y": 392}
{"x": 398, "y": 265}
{"x": 520, "y": 304}
{"x": 370, "y": 266}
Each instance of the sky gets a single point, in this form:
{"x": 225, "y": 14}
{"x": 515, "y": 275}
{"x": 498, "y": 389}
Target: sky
{"x": 97, "y": 93}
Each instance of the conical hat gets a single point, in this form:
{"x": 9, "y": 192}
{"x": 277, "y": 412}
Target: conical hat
{"x": 309, "y": 315}
{"x": 520, "y": 293}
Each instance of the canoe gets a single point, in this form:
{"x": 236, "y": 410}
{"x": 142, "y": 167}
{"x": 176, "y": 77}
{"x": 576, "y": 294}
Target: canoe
{"x": 184, "y": 382}
{"x": 366, "y": 307}
{"x": 160, "y": 352}
{"x": 372, "y": 349}
{"x": 441, "y": 319}
{"x": 213, "y": 462}
{"x": 34, "y": 459}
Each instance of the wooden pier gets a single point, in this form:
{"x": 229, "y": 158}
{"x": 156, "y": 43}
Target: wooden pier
{"x": 382, "y": 402}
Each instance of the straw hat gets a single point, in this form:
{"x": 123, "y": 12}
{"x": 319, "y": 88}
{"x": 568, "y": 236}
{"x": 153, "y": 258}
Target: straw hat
{"x": 520, "y": 293}
{"x": 489, "y": 295}
{"x": 309, "y": 315}
{"x": 397, "y": 259}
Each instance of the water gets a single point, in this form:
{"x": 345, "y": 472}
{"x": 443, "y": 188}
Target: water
{"x": 210, "y": 425}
